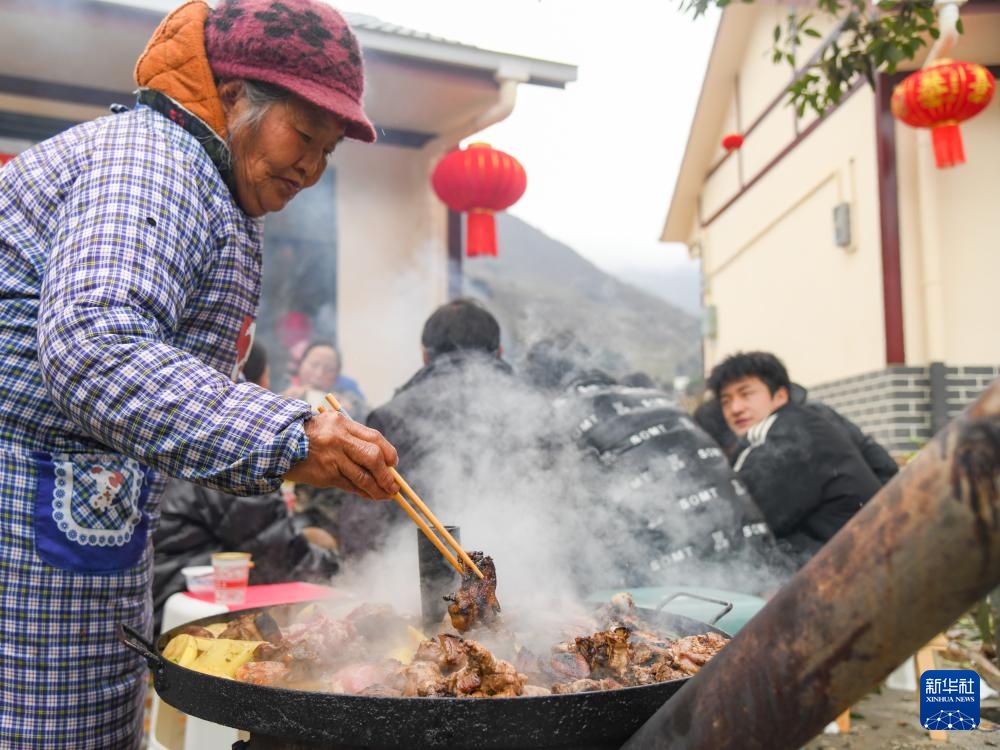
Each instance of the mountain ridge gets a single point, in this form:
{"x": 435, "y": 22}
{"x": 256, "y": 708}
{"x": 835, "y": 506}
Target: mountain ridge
{"x": 538, "y": 286}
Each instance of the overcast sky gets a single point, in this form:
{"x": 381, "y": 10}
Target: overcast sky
{"x": 601, "y": 155}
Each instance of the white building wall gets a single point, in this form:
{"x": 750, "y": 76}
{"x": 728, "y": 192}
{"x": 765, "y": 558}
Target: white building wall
{"x": 392, "y": 269}
{"x": 950, "y": 250}
{"x": 778, "y": 280}
{"x": 772, "y": 270}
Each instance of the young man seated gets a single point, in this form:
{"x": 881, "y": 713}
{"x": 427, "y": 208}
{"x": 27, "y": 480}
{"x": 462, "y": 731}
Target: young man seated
{"x": 805, "y": 474}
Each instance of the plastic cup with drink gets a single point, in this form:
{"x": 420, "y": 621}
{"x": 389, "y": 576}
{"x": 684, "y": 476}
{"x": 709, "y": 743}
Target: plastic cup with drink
{"x": 231, "y": 572}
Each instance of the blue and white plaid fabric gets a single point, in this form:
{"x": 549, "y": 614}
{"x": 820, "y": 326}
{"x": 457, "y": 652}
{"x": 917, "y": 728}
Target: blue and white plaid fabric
{"x": 129, "y": 282}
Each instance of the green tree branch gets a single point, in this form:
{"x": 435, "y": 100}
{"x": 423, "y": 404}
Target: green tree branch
{"x": 867, "y": 40}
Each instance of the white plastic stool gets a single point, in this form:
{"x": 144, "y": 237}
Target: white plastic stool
{"x": 169, "y": 729}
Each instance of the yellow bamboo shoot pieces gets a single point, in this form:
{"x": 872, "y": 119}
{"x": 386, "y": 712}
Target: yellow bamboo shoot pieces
{"x": 217, "y": 656}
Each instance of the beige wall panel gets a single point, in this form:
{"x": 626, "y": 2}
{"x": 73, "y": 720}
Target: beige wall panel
{"x": 810, "y": 303}
{"x": 760, "y": 79}
{"x": 775, "y": 132}
{"x": 777, "y": 277}
{"x": 721, "y": 186}
{"x": 970, "y": 244}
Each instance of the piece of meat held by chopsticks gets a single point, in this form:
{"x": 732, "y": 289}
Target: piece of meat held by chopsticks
{"x": 475, "y": 602}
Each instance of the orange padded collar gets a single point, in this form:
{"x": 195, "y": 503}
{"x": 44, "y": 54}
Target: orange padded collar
{"x": 175, "y": 63}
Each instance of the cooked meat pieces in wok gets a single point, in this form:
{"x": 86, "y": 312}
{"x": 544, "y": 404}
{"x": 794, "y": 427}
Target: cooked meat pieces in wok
{"x": 475, "y": 602}
{"x": 457, "y": 667}
{"x": 253, "y": 627}
{"x": 485, "y": 676}
{"x": 375, "y": 652}
{"x": 612, "y": 656}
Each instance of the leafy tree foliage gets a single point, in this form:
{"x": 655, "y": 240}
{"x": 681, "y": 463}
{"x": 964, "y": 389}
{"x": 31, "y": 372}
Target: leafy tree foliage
{"x": 867, "y": 39}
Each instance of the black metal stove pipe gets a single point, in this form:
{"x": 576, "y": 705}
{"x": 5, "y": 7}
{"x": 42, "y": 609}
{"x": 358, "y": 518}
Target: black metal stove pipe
{"x": 905, "y": 567}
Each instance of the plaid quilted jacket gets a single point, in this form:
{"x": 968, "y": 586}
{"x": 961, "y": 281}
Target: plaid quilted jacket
{"x": 121, "y": 241}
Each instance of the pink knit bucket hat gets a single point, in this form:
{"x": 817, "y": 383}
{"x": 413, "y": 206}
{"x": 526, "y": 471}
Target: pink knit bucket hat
{"x": 303, "y": 46}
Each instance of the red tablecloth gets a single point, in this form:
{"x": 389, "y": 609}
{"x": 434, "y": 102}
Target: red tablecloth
{"x": 276, "y": 593}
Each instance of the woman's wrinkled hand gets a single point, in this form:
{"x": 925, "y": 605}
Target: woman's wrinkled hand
{"x": 346, "y": 455}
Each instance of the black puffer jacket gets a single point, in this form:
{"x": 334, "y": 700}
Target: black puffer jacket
{"x": 669, "y": 507}
{"x": 438, "y": 399}
{"x": 877, "y": 457}
{"x": 709, "y": 417}
{"x": 806, "y": 475}
{"x": 447, "y": 403}
{"x": 196, "y": 522}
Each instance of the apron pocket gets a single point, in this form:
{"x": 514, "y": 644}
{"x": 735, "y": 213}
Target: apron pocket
{"x": 89, "y": 511}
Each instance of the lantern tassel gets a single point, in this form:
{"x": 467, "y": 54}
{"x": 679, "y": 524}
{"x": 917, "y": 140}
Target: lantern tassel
{"x": 948, "y": 150}
{"x": 481, "y": 233}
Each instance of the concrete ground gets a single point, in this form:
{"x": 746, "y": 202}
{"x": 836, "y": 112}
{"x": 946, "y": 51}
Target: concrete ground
{"x": 890, "y": 720}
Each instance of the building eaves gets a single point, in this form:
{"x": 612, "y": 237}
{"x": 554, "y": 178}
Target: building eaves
{"x": 702, "y": 144}
{"x": 392, "y": 40}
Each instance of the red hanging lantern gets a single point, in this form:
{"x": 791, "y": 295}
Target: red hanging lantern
{"x": 939, "y": 97}
{"x": 732, "y": 141}
{"x": 480, "y": 180}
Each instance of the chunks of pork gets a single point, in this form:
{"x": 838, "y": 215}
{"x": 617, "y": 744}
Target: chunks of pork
{"x": 313, "y": 645}
{"x": 485, "y": 676}
{"x": 693, "y": 652}
{"x": 475, "y": 602}
{"x": 259, "y": 626}
{"x": 568, "y": 663}
{"x": 608, "y": 652}
{"x": 419, "y": 678}
{"x": 355, "y": 679}
{"x": 616, "y": 658}
{"x": 272, "y": 673}
{"x": 468, "y": 669}
{"x": 448, "y": 651}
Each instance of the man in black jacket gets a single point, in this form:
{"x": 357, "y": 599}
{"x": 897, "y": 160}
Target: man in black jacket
{"x": 806, "y": 475}
{"x": 450, "y": 413}
{"x": 709, "y": 417}
{"x": 460, "y": 344}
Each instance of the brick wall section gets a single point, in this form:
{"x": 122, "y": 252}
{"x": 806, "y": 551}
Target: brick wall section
{"x": 894, "y": 405}
{"x": 966, "y": 383}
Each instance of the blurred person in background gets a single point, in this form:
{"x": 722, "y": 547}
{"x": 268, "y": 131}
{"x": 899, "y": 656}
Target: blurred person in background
{"x": 806, "y": 475}
{"x": 459, "y": 337}
{"x": 196, "y": 521}
{"x": 129, "y": 288}
{"x": 446, "y": 412}
{"x": 319, "y": 373}
{"x": 657, "y": 492}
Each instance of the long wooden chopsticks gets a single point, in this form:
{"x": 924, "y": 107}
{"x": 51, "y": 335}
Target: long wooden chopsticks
{"x": 415, "y": 517}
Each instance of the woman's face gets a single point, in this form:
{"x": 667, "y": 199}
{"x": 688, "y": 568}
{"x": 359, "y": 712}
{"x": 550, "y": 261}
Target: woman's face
{"x": 284, "y": 153}
{"x": 319, "y": 368}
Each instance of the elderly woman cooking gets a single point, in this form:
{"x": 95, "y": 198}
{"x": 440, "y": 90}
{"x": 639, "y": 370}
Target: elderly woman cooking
{"x": 129, "y": 283}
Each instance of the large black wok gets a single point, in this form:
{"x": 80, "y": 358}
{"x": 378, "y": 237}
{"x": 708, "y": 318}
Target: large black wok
{"x": 582, "y": 721}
